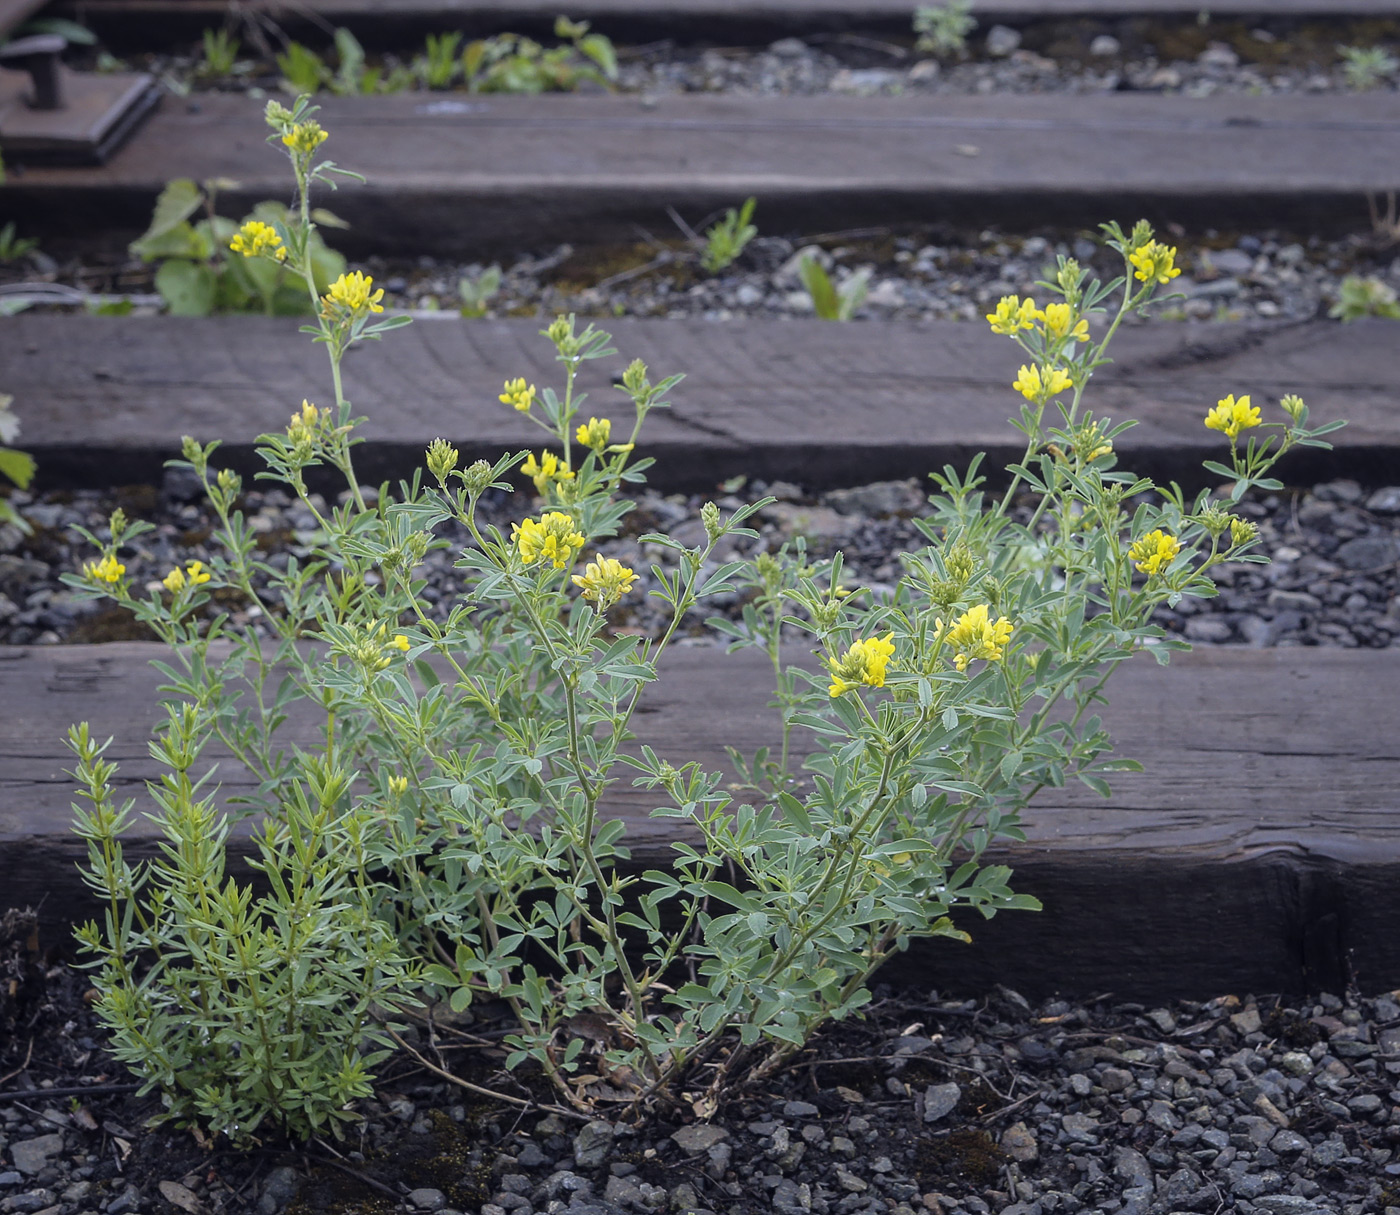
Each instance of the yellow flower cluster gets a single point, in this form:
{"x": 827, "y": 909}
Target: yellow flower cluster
{"x": 1058, "y": 320}
{"x": 1154, "y": 552}
{"x": 548, "y": 469}
{"x": 255, "y": 238}
{"x": 595, "y": 433}
{"x": 354, "y": 293}
{"x": 1059, "y": 323}
{"x": 1154, "y": 263}
{"x": 1041, "y": 383}
{"x": 518, "y": 395}
{"x": 553, "y": 537}
{"x": 864, "y": 663}
{"x": 1231, "y": 416}
{"x": 975, "y": 635}
{"x": 305, "y": 137}
{"x": 604, "y": 581}
{"x": 108, "y": 570}
{"x": 1013, "y": 314}
{"x": 193, "y": 574}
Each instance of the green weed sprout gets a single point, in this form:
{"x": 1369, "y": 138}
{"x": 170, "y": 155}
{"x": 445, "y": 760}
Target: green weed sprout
{"x": 829, "y": 303}
{"x": 1367, "y": 67}
{"x": 16, "y": 466}
{"x": 220, "y": 53}
{"x": 1360, "y": 297}
{"x": 513, "y": 63}
{"x": 306, "y": 72}
{"x": 943, "y": 28}
{"x": 478, "y": 292}
{"x": 727, "y": 238}
{"x": 437, "y": 67}
{"x": 13, "y": 246}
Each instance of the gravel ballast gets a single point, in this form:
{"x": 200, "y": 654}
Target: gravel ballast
{"x": 927, "y": 1105}
{"x": 1335, "y": 552}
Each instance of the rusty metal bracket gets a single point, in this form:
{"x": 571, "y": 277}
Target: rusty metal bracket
{"x": 52, "y": 115}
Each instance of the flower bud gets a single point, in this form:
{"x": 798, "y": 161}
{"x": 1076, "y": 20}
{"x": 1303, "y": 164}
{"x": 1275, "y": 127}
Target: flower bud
{"x": 1242, "y": 531}
{"x": 477, "y": 477}
{"x": 709, "y": 516}
{"x": 442, "y": 459}
{"x": 634, "y": 379}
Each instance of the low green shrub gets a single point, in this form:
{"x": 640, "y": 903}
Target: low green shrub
{"x": 443, "y": 833}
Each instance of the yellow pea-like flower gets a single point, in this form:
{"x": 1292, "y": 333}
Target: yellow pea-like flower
{"x": 864, "y": 663}
{"x": 1231, "y": 416}
{"x": 1154, "y": 552}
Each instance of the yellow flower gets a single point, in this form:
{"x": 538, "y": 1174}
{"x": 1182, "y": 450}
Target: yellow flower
{"x": 975, "y": 635}
{"x": 1154, "y": 263}
{"x": 108, "y": 570}
{"x": 1231, "y": 416}
{"x": 305, "y": 137}
{"x": 1154, "y": 552}
{"x": 549, "y": 468}
{"x": 1012, "y": 314}
{"x": 864, "y": 663}
{"x": 595, "y": 433}
{"x": 400, "y": 643}
{"x": 354, "y": 294}
{"x": 518, "y": 395}
{"x": 398, "y": 785}
{"x": 256, "y": 238}
{"x": 604, "y": 581}
{"x": 551, "y": 538}
{"x": 194, "y": 574}
{"x": 1041, "y": 383}
{"x": 1059, "y": 323}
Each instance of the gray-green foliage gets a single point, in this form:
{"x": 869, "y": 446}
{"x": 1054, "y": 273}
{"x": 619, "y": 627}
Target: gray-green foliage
{"x": 197, "y": 277}
{"x": 240, "y": 1008}
{"x": 447, "y": 792}
{"x": 727, "y": 238}
{"x": 828, "y": 301}
{"x": 943, "y": 28}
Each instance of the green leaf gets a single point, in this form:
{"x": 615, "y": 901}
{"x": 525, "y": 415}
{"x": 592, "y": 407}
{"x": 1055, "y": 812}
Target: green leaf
{"x": 177, "y": 202}
{"x": 600, "y": 49}
{"x": 188, "y": 289}
{"x": 17, "y": 465}
{"x": 819, "y": 286}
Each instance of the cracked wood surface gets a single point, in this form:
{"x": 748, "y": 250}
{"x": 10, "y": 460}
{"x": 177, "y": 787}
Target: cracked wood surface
{"x": 105, "y": 399}
{"x": 1260, "y": 849}
{"x": 468, "y": 175}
